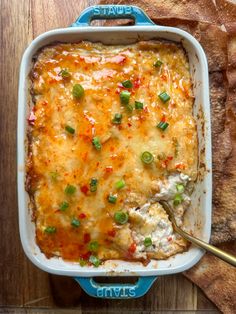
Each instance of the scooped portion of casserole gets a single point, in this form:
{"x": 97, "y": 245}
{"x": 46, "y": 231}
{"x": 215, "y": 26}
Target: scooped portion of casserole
{"x": 111, "y": 133}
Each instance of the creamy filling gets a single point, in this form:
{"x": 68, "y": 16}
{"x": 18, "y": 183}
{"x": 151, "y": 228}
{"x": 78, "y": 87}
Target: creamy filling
{"x": 168, "y": 191}
{"x": 153, "y": 221}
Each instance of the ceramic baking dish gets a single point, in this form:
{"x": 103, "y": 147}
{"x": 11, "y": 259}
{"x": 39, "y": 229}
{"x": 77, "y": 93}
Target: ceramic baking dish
{"x": 198, "y": 216}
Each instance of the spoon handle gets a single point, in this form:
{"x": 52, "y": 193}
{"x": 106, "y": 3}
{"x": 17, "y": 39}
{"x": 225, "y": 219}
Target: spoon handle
{"x": 208, "y": 247}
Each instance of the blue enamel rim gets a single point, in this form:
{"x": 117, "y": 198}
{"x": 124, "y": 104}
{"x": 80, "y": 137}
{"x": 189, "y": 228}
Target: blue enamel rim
{"x": 143, "y": 284}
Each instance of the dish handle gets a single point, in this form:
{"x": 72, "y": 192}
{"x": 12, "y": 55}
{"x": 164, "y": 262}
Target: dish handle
{"x": 116, "y": 290}
{"x": 110, "y": 12}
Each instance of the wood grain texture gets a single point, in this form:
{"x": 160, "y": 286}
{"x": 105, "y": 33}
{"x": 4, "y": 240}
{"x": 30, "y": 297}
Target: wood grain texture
{"x": 21, "y": 283}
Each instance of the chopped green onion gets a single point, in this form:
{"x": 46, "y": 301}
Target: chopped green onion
{"x": 117, "y": 118}
{"x": 63, "y": 206}
{"x": 127, "y": 84}
{"x": 70, "y": 189}
{"x": 120, "y": 184}
{"x": 124, "y": 97}
{"x": 93, "y": 246}
{"x": 94, "y": 260}
{"x": 50, "y": 230}
{"x": 177, "y": 199}
{"x": 65, "y": 73}
{"x": 82, "y": 262}
{"x": 93, "y": 185}
{"x": 121, "y": 217}
{"x": 69, "y": 129}
{"x": 180, "y": 188}
{"x": 138, "y": 105}
{"x": 162, "y": 125}
{"x": 54, "y": 175}
{"x": 164, "y": 97}
{"x": 96, "y": 143}
{"x": 147, "y": 242}
{"x": 158, "y": 63}
{"x": 78, "y": 91}
{"x": 112, "y": 199}
{"x": 75, "y": 222}
{"x": 147, "y": 158}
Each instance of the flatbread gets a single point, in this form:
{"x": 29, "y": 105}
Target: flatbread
{"x": 217, "y": 279}
{"x": 191, "y": 10}
{"x": 224, "y": 172}
{"x": 224, "y": 201}
{"x": 214, "y": 42}
{"x": 226, "y": 11}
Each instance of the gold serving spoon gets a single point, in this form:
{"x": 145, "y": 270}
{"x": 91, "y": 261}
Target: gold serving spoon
{"x": 206, "y": 246}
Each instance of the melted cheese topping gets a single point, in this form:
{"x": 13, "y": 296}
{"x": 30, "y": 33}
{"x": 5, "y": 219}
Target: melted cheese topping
{"x": 57, "y": 158}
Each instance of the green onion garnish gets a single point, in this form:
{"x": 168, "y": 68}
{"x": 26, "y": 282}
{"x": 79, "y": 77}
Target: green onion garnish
{"x": 70, "y": 189}
{"x": 164, "y": 97}
{"x": 121, "y": 217}
{"x": 50, "y": 230}
{"x": 138, "y": 105}
{"x": 177, "y": 199}
{"x": 63, "y": 206}
{"x": 124, "y": 97}
{"x": 147, "y": 158}
{"x": 162, "y": 125}
{"x": 69, "y": 129}
{"x": 64, "y": 73}
{"x": 96, "y": 143}
{"x": 78, "y": 91}
{"x": 112, "y": 199}
{"x": 180, "y": 188}
{"x": 120, "y": 184}
{"x": 54, "y": 175}
{"x": 158, "y": 63}
{"x": 147, "y": 242}
{"x": 93, "y": 246}
{"x": 117, "y": 118}
{"x": 75, "y": 222}
{"x": 93, "y": 185}
{"x": 94, "y": 260}
{"x": 127, "y": 84}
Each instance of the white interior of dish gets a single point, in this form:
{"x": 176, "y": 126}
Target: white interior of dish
{"x": 198, "y": 216}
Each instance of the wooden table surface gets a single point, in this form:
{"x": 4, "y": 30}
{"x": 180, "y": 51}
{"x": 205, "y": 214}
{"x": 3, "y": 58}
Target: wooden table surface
{"x": 23, "y": 287}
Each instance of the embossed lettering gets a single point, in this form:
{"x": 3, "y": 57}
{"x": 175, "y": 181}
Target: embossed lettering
{"x": 116, "y": 291}
{"x": 96, "y": 11}
{"x": 100, "y": 292}
{"x": 128, "y": 10}
{"x": 108, "y": 292}
{"x": 119, "y": 10}
{"x": 132, "y": 292}
{"x": 123, "y": 292}
{"x": 112, "y": 11}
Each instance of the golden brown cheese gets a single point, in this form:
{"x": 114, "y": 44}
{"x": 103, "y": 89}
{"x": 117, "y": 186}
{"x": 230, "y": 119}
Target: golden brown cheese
{"x": 58, "y": 158}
